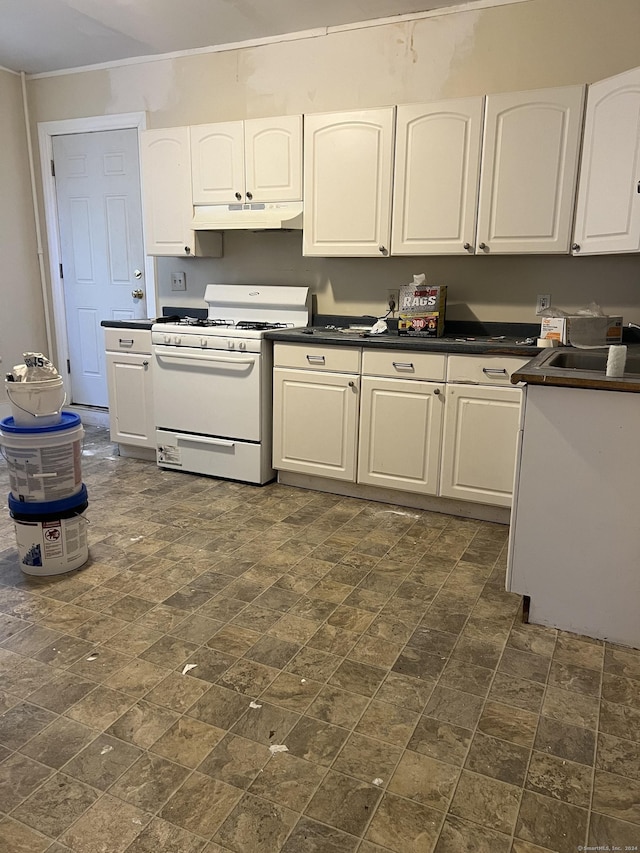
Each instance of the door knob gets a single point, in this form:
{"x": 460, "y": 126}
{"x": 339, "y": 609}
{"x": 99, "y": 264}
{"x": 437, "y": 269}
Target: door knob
{"x": 137, "y": 294}
{"x": 137, "y": 273}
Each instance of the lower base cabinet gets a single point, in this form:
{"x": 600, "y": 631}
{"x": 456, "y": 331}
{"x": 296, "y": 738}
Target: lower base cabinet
{"x": 129, "y": 382}
{"x": 479, "y": 443}
{"x": 315, "y": 419}
{"x": 398, "y": 420}
{"x": 400, "y": 426}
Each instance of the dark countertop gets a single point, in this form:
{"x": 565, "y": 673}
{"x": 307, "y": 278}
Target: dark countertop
{"x": 127, "y": 324}
{"x": 537, "y": 372}
{"x": 463, "y": 337}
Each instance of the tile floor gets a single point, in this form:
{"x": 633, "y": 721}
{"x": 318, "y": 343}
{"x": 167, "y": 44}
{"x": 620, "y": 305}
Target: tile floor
{"x": 376, "y": 643}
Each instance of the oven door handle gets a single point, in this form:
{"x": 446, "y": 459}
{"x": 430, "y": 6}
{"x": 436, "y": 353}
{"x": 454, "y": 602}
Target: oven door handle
{"x": 163, "y": 353}
{"x": 201, "y": 439}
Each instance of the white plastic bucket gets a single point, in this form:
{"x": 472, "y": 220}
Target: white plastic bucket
{"x": 37, "y": 403}
{"x": 44, "y": 462}
{"x": 51, "y": 536}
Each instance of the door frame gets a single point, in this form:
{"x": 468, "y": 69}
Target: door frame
{"x": 46, "y": 131}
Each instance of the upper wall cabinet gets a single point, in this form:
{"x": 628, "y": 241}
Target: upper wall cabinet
{"x": 437, "y": 168}
{"x": 257, "y": 160}
{"x": 608, "y": 209}
{"x": 529, "y": 168}
{"x": 348, "y": 167}
{"x": 165, "y": 167}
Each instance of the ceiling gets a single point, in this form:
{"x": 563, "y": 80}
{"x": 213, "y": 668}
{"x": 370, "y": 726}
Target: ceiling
{"x": 49, "y": 35}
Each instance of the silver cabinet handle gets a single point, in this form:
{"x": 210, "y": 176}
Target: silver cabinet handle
{"x": 187, "y": 250}
{"x": 436, "y": 391}
{"x": 352, "y": 384}
{"x": 495, "y": 371}
{"x": 145, "y": 364}
{"x": 249, "y": 195}
{"x": 575, "y": 247}
{"x": 315, "y": 359}
{"x": 382, "y": 250}
{"x": 403, "y": 365}
{"x": 482, "y": 246}
{"x": 239, "y": 196}
{"x": 125, "y": 342}
{"x": 468, "y": 247}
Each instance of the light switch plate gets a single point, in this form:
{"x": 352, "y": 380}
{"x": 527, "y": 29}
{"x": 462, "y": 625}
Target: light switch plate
{"x": 178, "y": 281}
{"x": 543, "y": 302}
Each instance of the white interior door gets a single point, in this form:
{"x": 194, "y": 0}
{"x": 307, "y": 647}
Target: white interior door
{"x": 97, "y": 178}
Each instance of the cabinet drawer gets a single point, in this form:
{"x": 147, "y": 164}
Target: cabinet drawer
{"x": 128, "y": 340}
{"x": 404, "y": 364}
{"x": 483, "y": 369}
{"x": 336, "y": 359}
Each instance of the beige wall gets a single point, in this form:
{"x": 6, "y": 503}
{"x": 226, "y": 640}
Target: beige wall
{"x": 505, "y": 48}
{"x": 21, "y": 315}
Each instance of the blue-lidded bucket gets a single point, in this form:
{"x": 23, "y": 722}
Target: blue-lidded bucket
{"x": 51, "y": 535}
{"x": 44, "y": 461}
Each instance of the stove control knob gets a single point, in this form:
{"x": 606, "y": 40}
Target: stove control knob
{"x": 242, "y": 345}
{"x": 167, "y": 339}
{"x": 203, "y": 342}
{"x": 230, "y": 344}
{"x": 178, "y": 339}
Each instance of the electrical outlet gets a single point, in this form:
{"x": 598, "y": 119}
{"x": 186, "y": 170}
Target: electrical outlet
{"x": 392, "y": 300}
{"x": 544, "y": 302}
{"x": 178, "y": 281}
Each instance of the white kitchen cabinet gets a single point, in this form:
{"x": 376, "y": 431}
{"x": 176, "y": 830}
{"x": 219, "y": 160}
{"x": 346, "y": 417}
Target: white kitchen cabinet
{"x": 348, "y": 169}
{"x": 315, "y": 410}
{"x": 129, "y": 382}
{"x": 482, "y": 417}
{"x": 257, "y": 160}
{"x": 529, "y": 167}
{"x": 608, "y": 207}
{"x": 405, "y": 457}
{"x": 165, "y": 167}
{"x": 436, "y": 177}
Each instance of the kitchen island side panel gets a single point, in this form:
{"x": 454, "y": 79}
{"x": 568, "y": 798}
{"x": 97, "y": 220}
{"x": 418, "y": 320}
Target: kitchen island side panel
{"x": 575, "y": 539}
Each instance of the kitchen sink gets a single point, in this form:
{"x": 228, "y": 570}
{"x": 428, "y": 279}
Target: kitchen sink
{"x": 587, "y": 360}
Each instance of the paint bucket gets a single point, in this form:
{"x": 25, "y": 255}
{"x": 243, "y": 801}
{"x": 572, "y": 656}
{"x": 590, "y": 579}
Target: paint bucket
{"x": 37, "y": 403}
{"x": 44, "y": 462}
{"x": 52, "y": 535}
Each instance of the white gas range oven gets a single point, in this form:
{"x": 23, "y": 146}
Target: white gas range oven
{"x": 212, "y": 381}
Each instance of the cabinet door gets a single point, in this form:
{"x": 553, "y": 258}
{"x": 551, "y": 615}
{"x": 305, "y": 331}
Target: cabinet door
{"x": 529, "y": 168}
{"x": 273, "y": 159}
{"x": 407, "y": 458}
{"x": 165, "y": 165}
{"x": 608, "y": 209}
{"x": 217, "y": 157}
{"x": 437, "y": 170}
{"x": 130, "y": 399}
{"x": 315, "y": 423}
{"x": 479, "y": 443}
{"x": 347, "y": 183}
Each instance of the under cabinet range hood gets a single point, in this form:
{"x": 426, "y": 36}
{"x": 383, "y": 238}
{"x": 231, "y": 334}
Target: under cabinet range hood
{"x": 275, "y": 216}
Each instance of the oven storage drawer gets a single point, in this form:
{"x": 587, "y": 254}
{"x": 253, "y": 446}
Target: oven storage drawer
{"x": 215, "y": 457}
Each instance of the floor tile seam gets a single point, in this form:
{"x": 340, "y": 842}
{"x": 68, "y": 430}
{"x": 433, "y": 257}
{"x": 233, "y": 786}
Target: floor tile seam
{"x": 535, "y": 736}
{"x": 30, "y": 829}
{"x": 301, "y": 812}
{"x": 618, "y": 705}
{"x": 468, "y": 750}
